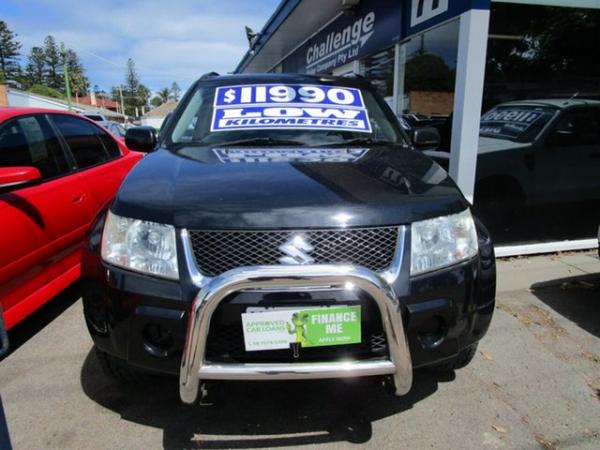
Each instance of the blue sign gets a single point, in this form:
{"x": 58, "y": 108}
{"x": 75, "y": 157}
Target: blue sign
{"x": 423, "y": 14}
{"x": 509, "y": 122}
{"x": 375, "y": 26}
{"x": 289, "y": 106}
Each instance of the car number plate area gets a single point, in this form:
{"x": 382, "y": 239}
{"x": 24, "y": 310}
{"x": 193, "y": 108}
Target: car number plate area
{"x": 279, "y": 328}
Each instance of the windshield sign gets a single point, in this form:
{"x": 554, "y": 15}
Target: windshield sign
{"x": 290, "y": 106}
{"x": 510, "y": 123}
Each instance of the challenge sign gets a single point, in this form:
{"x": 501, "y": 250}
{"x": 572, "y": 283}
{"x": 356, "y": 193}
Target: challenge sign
{"x": 291, "y": 106}
{"x": 279, "y": 328}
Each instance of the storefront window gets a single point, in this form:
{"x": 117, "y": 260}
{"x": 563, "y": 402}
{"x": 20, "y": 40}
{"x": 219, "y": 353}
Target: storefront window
{"x": 538, "y": 169}
{"x": 379, "y": 70}
{"x": 425, "y": 80}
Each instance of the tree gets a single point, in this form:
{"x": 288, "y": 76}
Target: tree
{"x": 9, "y": 52}
{"x": 428, "y": 72}
{"x": 132, "y": 84}
{"x": 164, "y": 95}
{"x": 156, "y": 101}
{"x": 53, "y": 77}
{"x": 143, "y": 96}
{"x": 79, "y": 82}
{"x": 175, "y": 91}
{"x": 36, "y": 65}
{"x": 135, "y": 94}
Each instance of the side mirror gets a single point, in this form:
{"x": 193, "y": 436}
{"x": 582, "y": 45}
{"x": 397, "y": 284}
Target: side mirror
{"x": 426, "y": 138}
{"x": 14, "y": 177}
{"x": 141, "y": 139}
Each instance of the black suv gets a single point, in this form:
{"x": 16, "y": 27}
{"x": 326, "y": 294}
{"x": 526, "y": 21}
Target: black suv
{"x": 284, "y": 227}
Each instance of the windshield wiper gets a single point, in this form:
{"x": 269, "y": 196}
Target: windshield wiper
{"x": 356, "y": 141}
{"x": 258, "y": 141}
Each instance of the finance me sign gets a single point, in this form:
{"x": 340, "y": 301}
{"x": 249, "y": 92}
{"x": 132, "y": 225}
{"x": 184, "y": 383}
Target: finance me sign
{"x": 280, "y": 328}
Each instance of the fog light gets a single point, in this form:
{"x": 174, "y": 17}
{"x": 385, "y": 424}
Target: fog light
{"x": 158, "y": 341}
{"x": 432, "y": 332}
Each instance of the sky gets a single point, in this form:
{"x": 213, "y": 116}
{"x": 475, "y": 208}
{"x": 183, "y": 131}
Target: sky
{"x": 169, "y": 40}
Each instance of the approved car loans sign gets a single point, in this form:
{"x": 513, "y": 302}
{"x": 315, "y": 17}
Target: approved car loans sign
{"x": 277, "y": 329}
{"x": 291, "y": 106}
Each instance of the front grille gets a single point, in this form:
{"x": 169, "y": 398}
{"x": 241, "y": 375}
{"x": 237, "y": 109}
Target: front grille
{"x": 218, "y": 251}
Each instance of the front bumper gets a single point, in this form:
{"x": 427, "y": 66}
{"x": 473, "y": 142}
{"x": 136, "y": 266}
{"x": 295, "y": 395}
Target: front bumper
{"x": 194, "y": 366}
{"x": 165, "y": 326}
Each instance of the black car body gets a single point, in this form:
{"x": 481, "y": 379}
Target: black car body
{"x": 236, "y": 203}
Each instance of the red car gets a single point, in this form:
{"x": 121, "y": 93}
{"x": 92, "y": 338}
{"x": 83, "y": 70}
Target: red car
{"x": 57, "y": 171}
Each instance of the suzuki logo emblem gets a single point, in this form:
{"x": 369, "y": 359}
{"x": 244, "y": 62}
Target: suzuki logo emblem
{"x": 297, "y": 251}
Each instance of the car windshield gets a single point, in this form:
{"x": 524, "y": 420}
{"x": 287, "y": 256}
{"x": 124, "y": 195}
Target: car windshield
{"x": 287, "y": 114}
{"x": 118, "y": 130}
{"x": 521, "y": 123}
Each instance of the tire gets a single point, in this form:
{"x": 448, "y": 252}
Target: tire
{"x": 117, "y": 368}
{"x": 461, "y": 360}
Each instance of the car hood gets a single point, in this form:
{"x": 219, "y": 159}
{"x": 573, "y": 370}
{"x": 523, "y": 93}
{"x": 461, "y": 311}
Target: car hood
{"x": 486, "y": 145}
{"x": 489, "y": 145}
{"x": 287, "y": 188}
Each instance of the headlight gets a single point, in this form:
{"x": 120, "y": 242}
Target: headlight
{"x": 142, "y": 246}
{"x": 441, "y": 242}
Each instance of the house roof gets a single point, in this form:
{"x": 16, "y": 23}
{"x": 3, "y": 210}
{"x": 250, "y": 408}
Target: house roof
{"x": 62, "y": 104}
{"x": 162, "y": 110}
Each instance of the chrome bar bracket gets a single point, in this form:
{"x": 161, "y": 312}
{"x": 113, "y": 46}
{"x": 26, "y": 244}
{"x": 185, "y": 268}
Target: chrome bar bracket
{"x": 194, "y": 367}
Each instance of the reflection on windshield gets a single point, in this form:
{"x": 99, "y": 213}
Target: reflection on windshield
{"x": 287, "y": 155}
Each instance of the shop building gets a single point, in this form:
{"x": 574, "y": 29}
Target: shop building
{"x": 512, "y": 86}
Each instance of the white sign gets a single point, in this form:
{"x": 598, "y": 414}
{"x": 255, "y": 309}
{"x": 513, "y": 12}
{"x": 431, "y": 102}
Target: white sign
{"x": 423, "y": 10}
{"x": 335, "y": 42}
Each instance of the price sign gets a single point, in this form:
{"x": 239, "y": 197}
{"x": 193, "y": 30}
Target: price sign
{"x": 292, "y": 106}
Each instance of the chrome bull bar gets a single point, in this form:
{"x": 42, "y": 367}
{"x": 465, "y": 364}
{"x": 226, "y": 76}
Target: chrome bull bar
{"x": 194, "y": 367}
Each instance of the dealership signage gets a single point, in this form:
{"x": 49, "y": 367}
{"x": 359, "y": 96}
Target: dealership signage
{"x": 423, "y": 14}
{"x": 375, "y": 26}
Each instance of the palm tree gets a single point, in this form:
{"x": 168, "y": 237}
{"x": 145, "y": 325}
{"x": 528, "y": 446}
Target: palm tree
{"x": 164, "y": 95}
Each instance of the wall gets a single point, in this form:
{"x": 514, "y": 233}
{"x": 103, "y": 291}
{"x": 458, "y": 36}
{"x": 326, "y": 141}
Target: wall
{"x": 155, "y": 122}
{"x": 430, "y": 103}
{"x": 23, "y": 99}
{"x": 3, "y": 96}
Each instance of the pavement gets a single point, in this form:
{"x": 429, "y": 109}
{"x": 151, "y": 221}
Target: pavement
{"x": 534, "y": 384}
